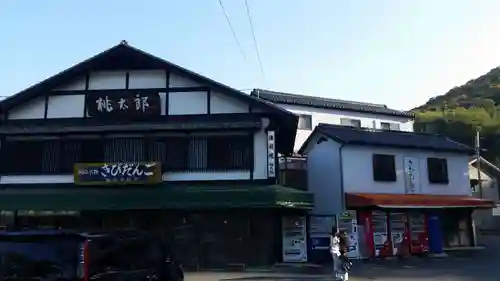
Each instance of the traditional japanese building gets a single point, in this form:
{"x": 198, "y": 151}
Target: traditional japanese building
{"x": 395, "y": 192}
{"x": 127, "y": 139}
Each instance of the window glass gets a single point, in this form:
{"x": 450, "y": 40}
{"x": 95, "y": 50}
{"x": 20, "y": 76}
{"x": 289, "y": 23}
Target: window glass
{"x": 384, "y": 168}
{"x": 437, "y": 170}
{"x": 350, "y": 122}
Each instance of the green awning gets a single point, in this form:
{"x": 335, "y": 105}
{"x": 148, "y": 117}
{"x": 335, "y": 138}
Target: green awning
{"x": 163, "y": 196}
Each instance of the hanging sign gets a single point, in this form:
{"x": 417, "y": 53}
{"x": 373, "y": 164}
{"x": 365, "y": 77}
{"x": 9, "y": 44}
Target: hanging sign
{"x": 271, "y": 154}
{"x": 117, "y": 173}
{"x": 123, "y": 103}
{"x": 412, "y": 175}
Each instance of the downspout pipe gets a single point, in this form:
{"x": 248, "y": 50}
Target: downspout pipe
{"x": 342, "y": 191}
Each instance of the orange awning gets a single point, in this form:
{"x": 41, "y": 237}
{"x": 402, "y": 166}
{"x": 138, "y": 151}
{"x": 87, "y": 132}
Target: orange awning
{"x": 415, "y": 200}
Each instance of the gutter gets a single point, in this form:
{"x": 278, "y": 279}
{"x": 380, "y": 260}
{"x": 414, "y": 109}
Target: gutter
{"x": 343, "y": 203}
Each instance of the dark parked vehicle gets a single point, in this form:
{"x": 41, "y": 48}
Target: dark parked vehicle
{"x": 46, "y": 255}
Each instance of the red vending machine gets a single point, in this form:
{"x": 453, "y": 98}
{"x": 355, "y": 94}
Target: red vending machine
{"x": 366, "y": 247}
{"x": 381, "y": 240}
{"x": 419, "y": 238}
{"x": 397, "y": 222}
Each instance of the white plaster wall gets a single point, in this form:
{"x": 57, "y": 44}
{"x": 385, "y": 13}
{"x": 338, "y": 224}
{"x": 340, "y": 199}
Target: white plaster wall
{"x": 179, "y": 81}
{"x": 33, "y": 109}
{"x": 358, "y": 171}
{"x": 220, "y": 103}
{"x": 108, "y": 80}
{"x": 180, "y": 103}
{"x": 324, "y": 178}
{"x": 144, "y": 79}
{"x": 202, "y": 176}
{"x": 187, "y": 103}
{"x": 331, "y": 116}
{"x": 76, "y": 85}
{"x": 66, "y": 106}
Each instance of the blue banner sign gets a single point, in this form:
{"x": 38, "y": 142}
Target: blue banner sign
{"x": 117, "y": 173}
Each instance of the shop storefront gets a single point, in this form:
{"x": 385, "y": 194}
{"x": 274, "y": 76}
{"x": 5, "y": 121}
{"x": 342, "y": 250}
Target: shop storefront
{"x": 393, "y": 225}
{"x": 128, "y": 140}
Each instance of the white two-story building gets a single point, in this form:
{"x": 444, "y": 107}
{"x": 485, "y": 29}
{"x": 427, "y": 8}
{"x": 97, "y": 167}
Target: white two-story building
{"x": 396, "y": 192}
{"x": 127, "y": 139}
{"x": 315, "y": 110}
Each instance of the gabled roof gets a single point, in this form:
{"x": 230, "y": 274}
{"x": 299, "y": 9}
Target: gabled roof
{"x": 326, "y": 103}
{"x": 125, "y": 57}
{"x": 409, "y": 140}
{"x": 473, "y": 161}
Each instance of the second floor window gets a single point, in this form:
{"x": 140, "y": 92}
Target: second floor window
{"x": 384, "y": 168}
{"x": 390, "y": 126}
{"x": 437, "y": 170}
{"x": 182, "y": 154}
{"x": 350, "y": 122}
{"x": 305, "y": 122}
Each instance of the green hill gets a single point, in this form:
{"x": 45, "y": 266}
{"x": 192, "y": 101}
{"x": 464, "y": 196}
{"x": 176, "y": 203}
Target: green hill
{"x": 461, "y": 110}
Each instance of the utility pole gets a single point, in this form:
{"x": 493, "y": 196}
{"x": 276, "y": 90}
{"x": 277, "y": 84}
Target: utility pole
{"x": 478, "y": 162}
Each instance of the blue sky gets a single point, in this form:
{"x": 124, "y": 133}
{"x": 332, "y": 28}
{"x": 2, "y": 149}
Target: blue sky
{"x": 395, "y": 52}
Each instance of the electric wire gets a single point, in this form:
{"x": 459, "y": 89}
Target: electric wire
{"x": 255, "y": 41}
{"x": 232, "y": 29}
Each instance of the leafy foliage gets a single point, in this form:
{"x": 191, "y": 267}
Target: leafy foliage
{"x": 459, "y": 112}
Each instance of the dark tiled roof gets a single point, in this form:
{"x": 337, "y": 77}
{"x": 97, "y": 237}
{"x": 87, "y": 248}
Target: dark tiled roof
{"x": 124, "y": 56}
{"x": 399, "y": 139}
{"x": 318, "y": 102}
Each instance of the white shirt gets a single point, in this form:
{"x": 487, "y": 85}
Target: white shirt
{"x": 335, "y": 245}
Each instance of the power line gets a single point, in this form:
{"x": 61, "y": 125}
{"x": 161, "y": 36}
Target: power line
{"x": 232, "y": 29}
{"x": 255, "y": 41}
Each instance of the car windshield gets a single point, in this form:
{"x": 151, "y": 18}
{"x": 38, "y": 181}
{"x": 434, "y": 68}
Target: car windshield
{"x": 40, "y": 257}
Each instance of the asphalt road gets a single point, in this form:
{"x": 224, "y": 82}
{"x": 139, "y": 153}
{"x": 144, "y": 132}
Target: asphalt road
{"x": 481, "y": 265}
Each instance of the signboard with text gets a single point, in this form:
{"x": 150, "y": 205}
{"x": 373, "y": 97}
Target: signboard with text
{"x": 117, "y": 173}
{"x": 412, "y": 175}
{"x": 271, "y": 154}
{"x": 123, "y": 104}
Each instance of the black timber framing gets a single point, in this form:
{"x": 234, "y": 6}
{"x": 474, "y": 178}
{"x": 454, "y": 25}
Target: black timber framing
{"x": 47, "y": 96}
{"x": 127, "y": 80}
{"x": 87, "y": 85}
{"x": 125, "y": 57}
{"x": 166, "y": 90}
{"x": 181, "y": 123}
{"x": 167, "y": 94}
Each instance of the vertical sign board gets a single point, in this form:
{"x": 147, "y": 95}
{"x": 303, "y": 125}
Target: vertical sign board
{"x": 271, "y": 154}
{"x": 412, "y": 175}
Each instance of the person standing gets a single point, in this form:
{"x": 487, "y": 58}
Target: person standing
{"x": 335, "y": 252}
{"x": 338, "y": 250}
